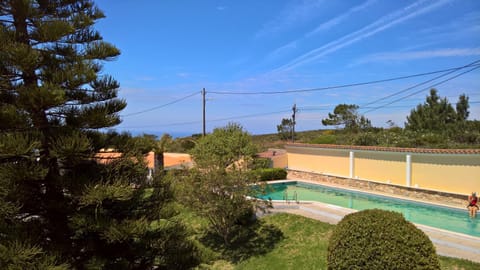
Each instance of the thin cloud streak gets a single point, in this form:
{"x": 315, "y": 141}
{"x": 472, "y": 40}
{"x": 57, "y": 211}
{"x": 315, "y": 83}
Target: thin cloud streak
{"x": 324, "y": 26}
{"x": 337, "y": 20}
{"x": 413, "y": 55}
{"x": 380, "y": 25}
{"x": 291, "y": 16}
{"x": 282, "y": 50}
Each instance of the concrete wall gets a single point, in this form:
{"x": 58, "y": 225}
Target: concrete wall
{"x": 446, "y": 172}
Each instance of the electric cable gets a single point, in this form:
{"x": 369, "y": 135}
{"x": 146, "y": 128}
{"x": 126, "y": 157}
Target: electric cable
{"x": 419, "y": 84}
{"x": 423, "y": 89}
{"x": 161, "y": 106}
{"x": 475, "y": 63}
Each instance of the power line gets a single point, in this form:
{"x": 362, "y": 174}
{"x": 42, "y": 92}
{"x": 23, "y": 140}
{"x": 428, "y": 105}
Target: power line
{"x": 474, "y": 64}
{"x": 213, "y": 120}
{"x": 398, "y": 106}
{"x": 424, "y": 89}
{"x": 419, "y": 84}
{"x": 327, "y": 108}
{"x": 344, "y": 85}
{"x": 247, "y": 116}
{"x": 161, "y": 106}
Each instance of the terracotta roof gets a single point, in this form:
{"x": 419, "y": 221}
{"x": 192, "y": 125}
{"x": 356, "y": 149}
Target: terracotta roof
{"x": 106, "y": 157}
{"x": 470, "y": 151}
{"x": 109, "y": 156}
{"x": 176, "y": 159}
{"x": 169, "y": 159}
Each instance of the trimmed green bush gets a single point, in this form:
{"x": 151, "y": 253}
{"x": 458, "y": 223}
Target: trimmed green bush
{"x": 379, "y": 239}
{"x": 269, "y": 174}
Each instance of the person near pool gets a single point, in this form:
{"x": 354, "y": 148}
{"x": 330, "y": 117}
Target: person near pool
{"x": 473, "y": 204}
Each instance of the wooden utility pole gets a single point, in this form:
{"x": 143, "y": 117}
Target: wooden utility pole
{"x": 204, "y": 103}
{"x": 294, "y": 109}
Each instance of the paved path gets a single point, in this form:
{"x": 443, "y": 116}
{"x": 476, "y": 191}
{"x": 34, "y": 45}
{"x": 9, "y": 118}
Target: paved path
{"x": 447, "y": 243}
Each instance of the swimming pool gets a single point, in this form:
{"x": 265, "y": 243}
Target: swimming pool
{"x": 451, "y": 219}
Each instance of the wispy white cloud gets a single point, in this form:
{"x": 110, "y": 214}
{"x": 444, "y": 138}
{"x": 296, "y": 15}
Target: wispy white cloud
{"x": 282, "y": 50}
{"x": 413, "y": 55}
{"x": 384, "y": 23}
{"x": 322, "y": 27}
{"x": 339, "y": 19}
{"x": 296, "y": 13}
{"x": 221, "y": 8}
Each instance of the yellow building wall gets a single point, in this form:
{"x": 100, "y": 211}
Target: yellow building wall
{"x": 280, "y": 161}
{"x": 453, "y": 173}
{"x": 458, "y": 174}
{"x": 380, "y": 167}
{"x": 327, "y": 161}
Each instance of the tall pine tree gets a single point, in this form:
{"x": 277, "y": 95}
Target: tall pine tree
{"x": 437, "y": 114}
{"x": 59, "y": 208}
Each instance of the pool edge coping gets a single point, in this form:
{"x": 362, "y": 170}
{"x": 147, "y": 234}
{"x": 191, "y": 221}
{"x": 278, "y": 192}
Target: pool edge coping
{"x": 367, "y": 192}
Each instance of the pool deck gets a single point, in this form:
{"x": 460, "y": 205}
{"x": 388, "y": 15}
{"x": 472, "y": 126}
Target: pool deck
{"x": 447, "y": 243}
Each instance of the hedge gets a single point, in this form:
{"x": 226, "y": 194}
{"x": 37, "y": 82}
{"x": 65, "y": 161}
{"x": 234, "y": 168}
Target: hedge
{"x": 269, "y": 174}
{"x": 379, "y": 239}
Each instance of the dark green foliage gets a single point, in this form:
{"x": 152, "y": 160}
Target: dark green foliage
{"x": 261, "y": 163}
{"x": 379, "y": 239}
{"x": 219, "y": 187}
{"x": 346, "y": 115}
{"x": 366, "y": 139}
{"x": 462, "y": 108}
{"x": 19, "y": 256}
{"x": 285, "y": 129}
{"x": 397, "y": 137}
{"x": 179, "y": 145}
{"x": 435, "y": 114}
{"x": 224, "y": 147}
{"x": 221, "y": 197}
{"x": 60, "y": 209}
{"x": 269, "y": 174}
{"x": 122, "y": 227}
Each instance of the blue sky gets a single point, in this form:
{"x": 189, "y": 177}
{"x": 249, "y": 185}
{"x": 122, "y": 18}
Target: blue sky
{"x": 172, "y": 49}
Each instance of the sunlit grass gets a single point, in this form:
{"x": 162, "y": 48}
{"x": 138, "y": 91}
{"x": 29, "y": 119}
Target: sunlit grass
{"x": 302, "y": 245}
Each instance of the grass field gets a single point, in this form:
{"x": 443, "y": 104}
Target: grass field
{"x": 280, "y": 241}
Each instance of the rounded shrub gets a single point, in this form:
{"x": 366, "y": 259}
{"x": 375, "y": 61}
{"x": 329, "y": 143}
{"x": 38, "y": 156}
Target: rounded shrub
{"x": 379, "y": 239}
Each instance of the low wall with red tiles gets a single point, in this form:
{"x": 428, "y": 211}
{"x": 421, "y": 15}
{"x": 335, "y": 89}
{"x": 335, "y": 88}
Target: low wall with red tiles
{"x": 457, "y": 200}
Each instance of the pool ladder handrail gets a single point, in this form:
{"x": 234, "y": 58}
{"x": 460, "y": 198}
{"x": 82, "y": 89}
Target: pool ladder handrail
{"x": 294, "y": 197}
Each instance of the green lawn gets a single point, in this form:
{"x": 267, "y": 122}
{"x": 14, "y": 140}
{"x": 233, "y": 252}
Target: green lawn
{"x": 280, "y": 241}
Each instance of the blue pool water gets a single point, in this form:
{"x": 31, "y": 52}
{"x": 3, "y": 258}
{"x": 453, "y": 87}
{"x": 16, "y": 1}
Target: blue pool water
{"x": 451, "y": 219}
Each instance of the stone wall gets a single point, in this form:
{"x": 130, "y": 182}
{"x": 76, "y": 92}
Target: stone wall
{"x": 451, "y": 199}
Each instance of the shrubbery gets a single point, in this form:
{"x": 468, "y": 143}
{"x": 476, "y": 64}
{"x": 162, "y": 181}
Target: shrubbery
{"x": 366, "y": 139}
{"x": 261, "y": 163}
{"x": 325, "y": 139}
{"x": 269, "y": 174}
{"x": 379, "y": 239}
